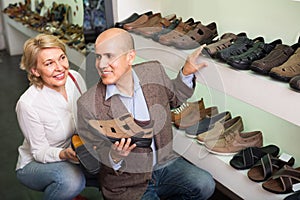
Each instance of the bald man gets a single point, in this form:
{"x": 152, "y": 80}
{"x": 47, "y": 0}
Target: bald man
{"x": 130, "y": 171}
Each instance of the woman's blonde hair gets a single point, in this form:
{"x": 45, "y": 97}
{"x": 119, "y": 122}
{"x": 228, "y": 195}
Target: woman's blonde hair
{"x": 31, "y": 49}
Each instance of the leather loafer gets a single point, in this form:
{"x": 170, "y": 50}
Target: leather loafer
{"x": 130, "y": 19}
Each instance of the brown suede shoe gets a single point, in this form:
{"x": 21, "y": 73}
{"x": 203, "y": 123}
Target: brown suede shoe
{"x": 233, "y": 142}
{"x": 275, "y": 58}
{"x": 289, "y": 69}
{"x": 186, "y": 108}
{"x": 222, "y": 128}
{"x": 125, "y": 126}
{"x": 195, "y": 116}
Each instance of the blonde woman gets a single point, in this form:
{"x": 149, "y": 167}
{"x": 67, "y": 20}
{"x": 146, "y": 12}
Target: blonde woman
{"x": 45, "y": 113}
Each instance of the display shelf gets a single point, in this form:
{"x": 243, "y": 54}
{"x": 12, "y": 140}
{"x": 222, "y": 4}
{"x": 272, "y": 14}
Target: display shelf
{"x": 17, "y": 33}
{"x": 260, "y": 91}
{"x": 235, "y": 180}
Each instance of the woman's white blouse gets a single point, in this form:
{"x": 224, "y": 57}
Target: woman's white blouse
{"x": 47, "y": 121}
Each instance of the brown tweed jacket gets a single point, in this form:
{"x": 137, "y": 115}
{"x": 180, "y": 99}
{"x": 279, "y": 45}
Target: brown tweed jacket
{"x": 161, "y": 94}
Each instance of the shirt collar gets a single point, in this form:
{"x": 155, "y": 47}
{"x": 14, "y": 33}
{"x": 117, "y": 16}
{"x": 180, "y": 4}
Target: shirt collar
{"x": 112, "y": 89}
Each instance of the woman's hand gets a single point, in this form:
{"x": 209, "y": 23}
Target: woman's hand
{"x": 121, "y": 149}
{"x": 192, "y": 64}
{"x": 68, "y": 154}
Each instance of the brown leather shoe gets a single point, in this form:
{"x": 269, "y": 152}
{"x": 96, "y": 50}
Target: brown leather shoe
{"x": 195, "y": 116}
{"x": 289, "y": 69}
{"x": 231, "y": 125}
{"x": 234, "y": 141}
{"x": 186, "y": 108}
{"x": 275, "y": 58}
{"x": 136, "y": 23}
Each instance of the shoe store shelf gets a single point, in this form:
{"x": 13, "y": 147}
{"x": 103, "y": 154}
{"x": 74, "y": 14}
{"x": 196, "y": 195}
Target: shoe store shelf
{"x": 260, "y": 91}
{"x": 17, "y": 33}
{"x": 234, "y": 180}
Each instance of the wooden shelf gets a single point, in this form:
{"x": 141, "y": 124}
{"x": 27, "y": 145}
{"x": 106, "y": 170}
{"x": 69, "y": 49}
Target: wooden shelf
{"x": 260, "y": 91}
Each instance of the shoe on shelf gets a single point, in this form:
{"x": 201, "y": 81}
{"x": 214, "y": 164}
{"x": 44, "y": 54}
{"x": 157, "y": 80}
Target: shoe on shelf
{"x": 239, "y": 46}
{"x": 201, "y": 34}
{"x": 86, "y": 154}
{"x": 295, "y": 83}
{"x": 233, "y": 142}
{"x": 257, "y": 51}
{"x": 185, "y": 109}
{"x": 141, "y": 20}
{"x": 195, "y": 116}
{"x": 276, "y": 57}
{"x": 220, "y": 129}
{"x": 287, "y": 70}
{"x": 183, "y": 27}
{"x": 206, "y": 124}
{"x": 125, "y": 126}
{"x": 131, "y": 18}
{"x": 225, "y": 41}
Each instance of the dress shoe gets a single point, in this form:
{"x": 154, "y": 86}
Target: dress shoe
{"x": 195, "y": 116}
{"x": 186, "y": 108}
{"x": 231, "y": 125}
{"x": 206, "y": 124}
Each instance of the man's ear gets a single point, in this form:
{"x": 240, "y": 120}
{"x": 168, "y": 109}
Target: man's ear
{"x": 131, "y": 56}
{"x": 35, "y": 72}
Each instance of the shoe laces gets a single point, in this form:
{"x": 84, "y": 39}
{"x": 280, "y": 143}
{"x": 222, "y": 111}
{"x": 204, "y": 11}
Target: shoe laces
{"x": 181, "y": 108}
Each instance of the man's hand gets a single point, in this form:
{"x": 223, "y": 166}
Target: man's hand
{"x": 121, "y": 149}
{"x": 191, "y": 66}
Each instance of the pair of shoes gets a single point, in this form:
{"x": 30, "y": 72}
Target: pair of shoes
{"x": 125, "y": 126}
{"x": 155, "y": 25}
{"x": 221, "y": 129}
{"x": 295, "y": 83}
{"x": 131, "y": 18}
{"x": 283, "y": 180}
{"x": 247, "y": 157}
{"x": 239, "y": 46}
{"x": 268, "y": 165}
{"x": 172, "y": 37}
{"x": 197, "y": 36}
{"x": 289, "y": 69}
{"x": 257, "y": 51}
{"x": 276, "y": 57}
{"x": 234, "y": 142}
{"x": 195, "y": 116}
{"x": 225, "y": 41}
{"x": 206, "y": 124}
{"x": 185, "y": 109}
{"x": 86, "y": 154}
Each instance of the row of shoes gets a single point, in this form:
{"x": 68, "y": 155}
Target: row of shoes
{"x": 55, "y": 22}
{"x": 170, "y": 30}
{"x": 265, "y": 165}
{"x": 279, "y": 61}
{"x": 223, "y": 135}
{"x": 218, "y": 132}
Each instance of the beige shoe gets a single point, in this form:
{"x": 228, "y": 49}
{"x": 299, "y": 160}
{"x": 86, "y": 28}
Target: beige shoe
{"x": 221, "y": 128}
{"x": 123, "y": 127}
{"x": 195, "y": 116}
{"x": 234, "y": 142}
{"x": 186, "y": 108}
